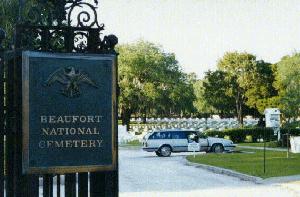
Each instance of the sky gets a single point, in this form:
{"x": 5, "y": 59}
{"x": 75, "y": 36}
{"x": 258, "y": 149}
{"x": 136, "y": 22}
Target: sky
{"x": 199, "y": 32}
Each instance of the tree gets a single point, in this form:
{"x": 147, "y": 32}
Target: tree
{"x": 8, "y": 18}
{"x": 237, "y": 67}
{"x": 258, "y": 85}
{"x": 248, "y": 81}
{"x": 288, "y": 85}
{"x": 200, "y": 103}
{"x": 216, "y": 93}
{"x": 11, "y": 13}
{"x": 182, "y": 95}
{"x": 151, "y": 82}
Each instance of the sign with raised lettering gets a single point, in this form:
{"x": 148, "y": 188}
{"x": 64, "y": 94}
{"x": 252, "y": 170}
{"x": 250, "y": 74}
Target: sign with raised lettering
{"x": 69, "y": 112}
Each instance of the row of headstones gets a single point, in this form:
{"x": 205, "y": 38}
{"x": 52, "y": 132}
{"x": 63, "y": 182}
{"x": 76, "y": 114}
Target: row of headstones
{"x": 201, "y": 126}
{"x": 194, "y": 120}
{"x": 182, "y": 119}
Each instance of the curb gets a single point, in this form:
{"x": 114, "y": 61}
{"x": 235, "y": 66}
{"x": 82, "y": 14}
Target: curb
{"x": 218, "y": 170}
{"x": 262, "y": 148}
{"x": 282, "y": 179}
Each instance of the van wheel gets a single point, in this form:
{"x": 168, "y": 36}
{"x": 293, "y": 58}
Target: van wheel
{"x": 158, "y": 153}
{"x": 165, "y": 151}
{"x": 217, "y": 148}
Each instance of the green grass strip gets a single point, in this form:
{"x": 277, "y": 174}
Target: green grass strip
{"x": 251, "y": 162}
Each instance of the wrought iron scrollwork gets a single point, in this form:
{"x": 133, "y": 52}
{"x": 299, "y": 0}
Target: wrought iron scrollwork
{"x": 56, "y": 40}
{"x": 80, "y": 41}
{"x": 87, "y": 15}
{"x": 63, "y": 12}
{"x": 65, "y": 26}
{"x": 30, "y": 38}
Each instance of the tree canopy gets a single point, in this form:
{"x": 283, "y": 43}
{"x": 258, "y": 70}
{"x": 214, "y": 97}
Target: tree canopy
{"x": 216, "y": 93}
{"x": 152, "y": 82}
{"x": 241, "y": 85}
{"x": 288, "y": 85}
{"x": 8, "y": 17}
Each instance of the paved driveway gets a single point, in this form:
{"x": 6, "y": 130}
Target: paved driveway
{"x": 143, "y": 174}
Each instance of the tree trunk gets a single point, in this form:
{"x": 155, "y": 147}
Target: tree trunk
{"x": 241, "y": 114}
{"x": 125, "y": 115}
{"x": 206, "y": 118}
{"x": 239, "y": 109}
{"x": 144, "y": 118}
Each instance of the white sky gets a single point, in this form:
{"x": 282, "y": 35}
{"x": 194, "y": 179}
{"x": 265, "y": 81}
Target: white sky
{"x": 200, "y": 31}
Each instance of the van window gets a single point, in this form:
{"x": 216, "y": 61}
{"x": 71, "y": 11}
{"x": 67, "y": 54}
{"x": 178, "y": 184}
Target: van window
{"x": 178, "y": 135}
{"x": 161, "y": 135}
{"x": 192, "y": 137}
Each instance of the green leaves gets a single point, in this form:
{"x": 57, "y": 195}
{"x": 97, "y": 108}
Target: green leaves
{"x": 241, "y": 85}
{"x": 151, "y": 80}
{"x": 8, "y": 18}
{"x": 217, "y": 92}
{"x": 288, "y": 85}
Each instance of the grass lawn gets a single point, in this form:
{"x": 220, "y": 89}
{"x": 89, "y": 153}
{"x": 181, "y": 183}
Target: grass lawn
{"x": 252, "y": 163}
{"x": 260, "y": 144}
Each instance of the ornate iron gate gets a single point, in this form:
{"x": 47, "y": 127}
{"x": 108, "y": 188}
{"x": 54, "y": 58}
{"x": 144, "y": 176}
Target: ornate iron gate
{"x": 50, "y": 26}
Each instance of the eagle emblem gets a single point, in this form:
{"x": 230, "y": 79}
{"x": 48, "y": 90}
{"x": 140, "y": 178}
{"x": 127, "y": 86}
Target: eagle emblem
{"x": 71, "y": 78}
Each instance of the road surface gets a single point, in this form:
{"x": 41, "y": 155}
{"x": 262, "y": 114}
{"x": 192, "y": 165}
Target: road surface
{"x": 143, "y": 174}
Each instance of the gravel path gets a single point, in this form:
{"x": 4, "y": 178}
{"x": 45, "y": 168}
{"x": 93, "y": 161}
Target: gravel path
{"x": 143, "y": 174}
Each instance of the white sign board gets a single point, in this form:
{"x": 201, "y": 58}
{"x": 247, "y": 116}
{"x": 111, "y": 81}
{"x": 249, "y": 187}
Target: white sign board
{"x": 272, "y": 117}
{"x": 295, "y": 144}
{"x": 193, "y": 147}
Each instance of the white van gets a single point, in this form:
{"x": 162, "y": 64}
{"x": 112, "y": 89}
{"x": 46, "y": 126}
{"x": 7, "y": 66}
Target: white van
{"x": 164, "y": 142}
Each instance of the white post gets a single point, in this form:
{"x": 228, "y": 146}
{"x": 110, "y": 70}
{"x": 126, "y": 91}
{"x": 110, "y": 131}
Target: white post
{"x": 278, "y": 134}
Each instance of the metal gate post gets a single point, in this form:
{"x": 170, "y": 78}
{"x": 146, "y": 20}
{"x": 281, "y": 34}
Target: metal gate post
{"x": 57, "y": 34}
{"x": 2, "y": 129}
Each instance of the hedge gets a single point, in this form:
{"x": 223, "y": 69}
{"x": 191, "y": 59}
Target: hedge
{"x": 239, "y": 135}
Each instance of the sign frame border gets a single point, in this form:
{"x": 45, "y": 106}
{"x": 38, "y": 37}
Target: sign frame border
{"x": 26, "y": 169}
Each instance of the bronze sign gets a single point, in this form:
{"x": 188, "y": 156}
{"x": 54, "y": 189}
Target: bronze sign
{"x": 69, "y": 112}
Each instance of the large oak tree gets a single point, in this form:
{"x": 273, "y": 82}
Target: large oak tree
{"x": 151, "y": 82}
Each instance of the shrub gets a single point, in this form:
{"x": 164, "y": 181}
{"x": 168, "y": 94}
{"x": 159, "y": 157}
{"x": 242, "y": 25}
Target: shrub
{"x": 240, "y": 135}
{"x": 245, "y": 134}
{"x": 220, "y": 134}
{"x": 291, "y": 131}
{"x": 237, "y": 135}
{"x": 293, "y": 125}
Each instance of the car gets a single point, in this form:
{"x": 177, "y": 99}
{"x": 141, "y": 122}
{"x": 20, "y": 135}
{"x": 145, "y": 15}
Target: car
{"x": 164, "y": 142}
